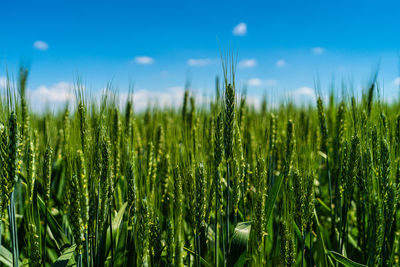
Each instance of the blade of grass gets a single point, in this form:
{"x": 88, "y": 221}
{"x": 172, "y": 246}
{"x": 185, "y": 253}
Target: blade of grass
{"x": 65, "y": 257}
{"x": 343, "y": 260}
{"x": 203, "y": 261}
{"x": 6, "y": 256}
{"x": 13, "y": 231}
{"x": 273, "y": 195}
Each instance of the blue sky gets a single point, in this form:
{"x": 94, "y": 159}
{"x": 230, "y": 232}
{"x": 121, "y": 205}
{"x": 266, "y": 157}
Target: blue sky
{"x": 282, "y": 46}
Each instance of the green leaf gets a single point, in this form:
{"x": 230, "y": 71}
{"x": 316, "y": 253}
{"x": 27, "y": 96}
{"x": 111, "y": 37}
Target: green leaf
{"x": 6, "y": 256}
{"x": 118, "y": 218}
{"x": 320, "y": 243}
{"x": 65, "y": 257}
{"x": 345, "y": 261}
{"x": 269, "y": 239}
{"x": 116, "y": 222}
{"x": 121, "y": 245}
{"x": 322, "y": 154}
{"x": 323, "y": 205}
{"x": 273, "y": 194}
{"x": 239, "y": 241}
{"x": 104, "y": 246}
{"x": 13, "y": 230}
{"x": 35, "y": 213}
{"x": 297, "y": 231}
{"x": 241, "y": 261}
{"x": 55, "y": 228}
{"x": 203, "y": 261}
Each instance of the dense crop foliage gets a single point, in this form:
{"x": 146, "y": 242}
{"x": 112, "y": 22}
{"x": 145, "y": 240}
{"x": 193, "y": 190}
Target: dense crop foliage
{"x": 218, "y": 185}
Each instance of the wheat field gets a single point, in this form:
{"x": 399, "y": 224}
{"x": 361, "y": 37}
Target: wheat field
{"x": 221, "y": 184}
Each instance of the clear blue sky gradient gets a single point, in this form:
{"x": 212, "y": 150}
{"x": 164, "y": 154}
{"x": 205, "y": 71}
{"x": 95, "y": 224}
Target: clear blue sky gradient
{"x": 100, "y": 40}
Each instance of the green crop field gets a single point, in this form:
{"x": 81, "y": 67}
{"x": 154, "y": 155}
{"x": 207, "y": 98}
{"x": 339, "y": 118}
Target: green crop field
{"x": 217, "y": 184}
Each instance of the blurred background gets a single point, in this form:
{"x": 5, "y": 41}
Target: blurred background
{"x": 284, "y": 50}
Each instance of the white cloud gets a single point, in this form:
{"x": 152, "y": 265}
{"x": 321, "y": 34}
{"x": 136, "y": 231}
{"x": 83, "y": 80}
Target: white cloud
{"x": 257, "y": 82}
{"x": 254, "y": 100}
{"x": 40, "y": 45}
{"x": 240, "y": 29}
{"x": 144, "y": 98}
{"x": 254, "y": 82}
{"x": 303, "y": 91}
{"x": 199, "y": 62}
{"x": 54, "y": 95}
{"x": 270, "y": 82}
{"x": 281, "y": 63}
{"x": 396, "y": 81}
{"x": 247, "y": 63}
{"x": 318, "y": 50}
{"x": 3, "y": 82}
{"x": 144, "y": 60}
{"x": 170, "y": 97}
{"x": 57, "y": 95}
